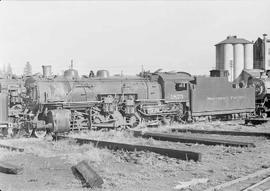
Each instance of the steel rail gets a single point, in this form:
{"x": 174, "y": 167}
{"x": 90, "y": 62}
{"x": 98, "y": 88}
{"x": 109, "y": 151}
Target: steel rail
{"x": 256, "y": 121}
{"x": 228, "y": 184}
{"x": 189, "y": 139}
{"x": 223, "y": 132}
{"x": 173, "y": 153}
{"x": 11, "y": 148}
{"x": 253, "y": 187}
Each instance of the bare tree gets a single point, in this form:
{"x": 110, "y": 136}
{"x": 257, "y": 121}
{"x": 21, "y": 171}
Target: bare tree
{"x": 4, "y": 69}
{"x": 27, "y": 69}
{"x": 9, "y": 69}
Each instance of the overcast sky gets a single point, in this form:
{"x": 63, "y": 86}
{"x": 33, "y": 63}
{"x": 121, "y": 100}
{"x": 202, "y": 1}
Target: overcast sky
{"x": 124, "y": 35}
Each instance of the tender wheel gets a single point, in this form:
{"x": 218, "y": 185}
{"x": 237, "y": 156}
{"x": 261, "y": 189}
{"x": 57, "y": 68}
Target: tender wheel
{"x": 134, "y": 121}
{"x": 4, "y": 132}
{"x": 13, "y": 132}
{"x": 264, "y": 115}
{"x": 39, "y": 133}
{"x": 166, "y": 120}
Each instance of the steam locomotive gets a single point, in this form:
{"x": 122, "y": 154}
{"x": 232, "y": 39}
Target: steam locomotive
{"x": 11, "y": 90}
{"x": 14, "y": 88}
{"x": 66, "y": 103}
{"x": 260, "y": 80}
{"x": 69, "y": 102}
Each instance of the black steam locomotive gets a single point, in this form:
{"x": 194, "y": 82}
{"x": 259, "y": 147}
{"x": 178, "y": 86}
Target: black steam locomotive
{"x": 260, "y": 80}
{"x": 69, "y": 102}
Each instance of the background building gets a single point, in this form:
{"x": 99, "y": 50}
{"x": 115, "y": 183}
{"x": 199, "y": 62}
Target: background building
{"x": 234, "y": 54}
{"x": 261, "y": 50}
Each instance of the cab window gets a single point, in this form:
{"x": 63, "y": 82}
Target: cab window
{"x": 180, "y": 86}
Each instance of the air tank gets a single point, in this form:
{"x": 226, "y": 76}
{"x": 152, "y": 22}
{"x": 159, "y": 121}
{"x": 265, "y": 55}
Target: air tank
{"x": 238, "y": 50}
{"x": 248, "y": 56}
{"x": 47, "y": 70}
{"x": 103, "y": 73}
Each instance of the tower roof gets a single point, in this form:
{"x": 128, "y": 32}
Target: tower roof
{"x": 234, "y": 40}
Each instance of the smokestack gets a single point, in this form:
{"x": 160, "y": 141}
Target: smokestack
{"x": 47, "y": 70}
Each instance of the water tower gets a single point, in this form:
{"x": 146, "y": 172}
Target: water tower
{"x": 234, "y": 54}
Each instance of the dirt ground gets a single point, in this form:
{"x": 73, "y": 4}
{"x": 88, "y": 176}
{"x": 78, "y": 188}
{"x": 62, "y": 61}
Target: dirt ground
{"x": 47, "y": 164}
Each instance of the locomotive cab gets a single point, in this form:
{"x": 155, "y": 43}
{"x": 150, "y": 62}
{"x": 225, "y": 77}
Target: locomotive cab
{"x": 175, "y": 86}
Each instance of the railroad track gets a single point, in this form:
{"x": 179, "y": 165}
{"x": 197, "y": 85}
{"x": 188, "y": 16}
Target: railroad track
{"x": 223, "y": 132}
{"x": 263, "y": 185}
{"x": 258, "y": 181}
{"x": 11, "y": 148}
{"x": 255, "y": 182}
{"x": 199, "y": 140}
{"x": 191, "y": 139}
{"x": 174, "y": 153}
{"x": 252, "y": 183}
{"x": 256, "y": 121}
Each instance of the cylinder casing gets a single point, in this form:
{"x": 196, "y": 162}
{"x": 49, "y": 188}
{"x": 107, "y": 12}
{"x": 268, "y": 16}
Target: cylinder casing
{"x": 60, "y": 120}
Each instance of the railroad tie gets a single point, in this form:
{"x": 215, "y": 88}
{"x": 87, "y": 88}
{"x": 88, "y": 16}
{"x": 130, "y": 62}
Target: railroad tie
{"x": 189, "y": 139}
{"x": 173, "y": 153}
